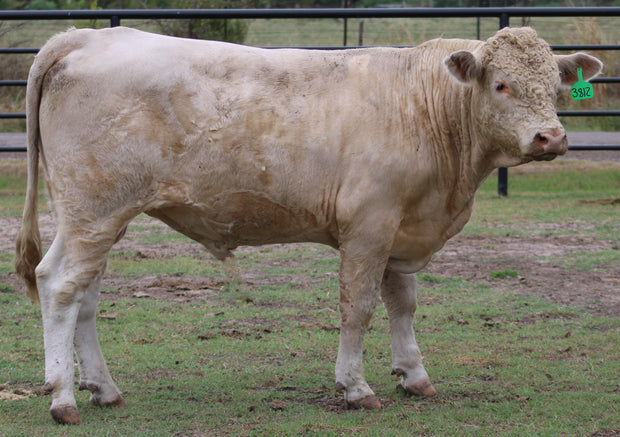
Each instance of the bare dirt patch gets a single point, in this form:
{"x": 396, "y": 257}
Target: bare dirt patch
{"x": 15, "y": 394}
{"x": 476, "y": 258}
{"x": 470, "y": 257}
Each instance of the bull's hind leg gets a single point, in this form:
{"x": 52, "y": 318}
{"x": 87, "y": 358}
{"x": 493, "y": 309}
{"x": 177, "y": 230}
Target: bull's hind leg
{"x": 94, "y": 374}
{"x": 59, "y": 309}
{"x": 398, "y": 292}
{"x": 70, "y": 271}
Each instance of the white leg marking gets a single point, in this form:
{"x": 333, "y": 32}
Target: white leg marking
{"x": 398, "y": 292}
{"x": 66, "y": 273}
{"x": 59, "y": 322}
{"x": 94, "y": 374}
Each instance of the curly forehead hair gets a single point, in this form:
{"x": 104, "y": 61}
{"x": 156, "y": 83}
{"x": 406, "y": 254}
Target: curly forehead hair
{"x": 513, "y": 50}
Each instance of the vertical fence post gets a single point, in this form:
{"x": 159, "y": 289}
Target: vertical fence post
{"x": 344, "y": 38}
{"x": 502, "y": 173}
{"x": 115, "y": 21}
{"x": 360, "y": 34}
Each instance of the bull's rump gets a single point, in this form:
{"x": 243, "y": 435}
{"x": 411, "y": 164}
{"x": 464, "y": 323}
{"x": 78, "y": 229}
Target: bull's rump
{"x": 229, "y": 144}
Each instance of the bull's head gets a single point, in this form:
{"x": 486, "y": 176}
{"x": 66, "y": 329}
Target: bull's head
{"x": 515, "y": 80}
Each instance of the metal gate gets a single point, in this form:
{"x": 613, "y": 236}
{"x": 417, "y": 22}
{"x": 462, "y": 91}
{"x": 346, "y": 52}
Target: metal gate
{"x": 503, "y": 16}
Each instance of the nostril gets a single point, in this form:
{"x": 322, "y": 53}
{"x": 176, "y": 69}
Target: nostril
{"x": 541, "y": 139}
{"x": 552, "y": 141}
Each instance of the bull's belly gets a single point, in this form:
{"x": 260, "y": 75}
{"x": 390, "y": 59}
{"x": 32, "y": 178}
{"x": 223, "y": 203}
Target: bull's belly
{"x": 245, "y": 220}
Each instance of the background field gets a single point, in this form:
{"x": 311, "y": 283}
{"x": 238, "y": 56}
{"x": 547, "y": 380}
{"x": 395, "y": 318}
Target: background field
{"x": 518, "y": 322}
{"x": 329, "y": 32}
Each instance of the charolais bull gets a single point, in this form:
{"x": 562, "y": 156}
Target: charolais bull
{"x": 377, "y": 152}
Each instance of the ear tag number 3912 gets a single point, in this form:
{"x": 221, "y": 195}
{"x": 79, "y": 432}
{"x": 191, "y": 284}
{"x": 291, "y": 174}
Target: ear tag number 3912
{"x": 582, "y": 89}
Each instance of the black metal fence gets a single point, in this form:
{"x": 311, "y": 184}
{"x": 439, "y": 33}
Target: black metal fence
{"x": 503, "y": 16}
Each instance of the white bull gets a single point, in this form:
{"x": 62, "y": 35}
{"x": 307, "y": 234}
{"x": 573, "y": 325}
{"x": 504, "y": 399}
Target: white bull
{"x": 376, "y": 152}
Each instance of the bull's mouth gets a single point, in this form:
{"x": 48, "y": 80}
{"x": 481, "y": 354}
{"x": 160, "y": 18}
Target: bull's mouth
{"x": 544, "y": 149}
{"x": 546, "y": 156}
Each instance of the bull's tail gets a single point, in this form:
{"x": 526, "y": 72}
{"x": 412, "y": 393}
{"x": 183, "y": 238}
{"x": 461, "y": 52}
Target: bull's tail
{"x": 28, "y": 245}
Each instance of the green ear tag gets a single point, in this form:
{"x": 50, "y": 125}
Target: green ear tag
{"x": 582, "y": 89}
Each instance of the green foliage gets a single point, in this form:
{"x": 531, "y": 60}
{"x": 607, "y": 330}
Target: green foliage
{"x": 43, "y": 5}
{"x": 92, "y": 24}
{"x": 221, "y": 30}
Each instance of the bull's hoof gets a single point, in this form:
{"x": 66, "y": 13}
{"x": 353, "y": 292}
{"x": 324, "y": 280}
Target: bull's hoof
{"x": 65, "y": 415}
{"x": 98, "y": 399}
{"x": 422, "y": 387}
{"x": 368, "y": 403}
{"x": 118, "y": 401}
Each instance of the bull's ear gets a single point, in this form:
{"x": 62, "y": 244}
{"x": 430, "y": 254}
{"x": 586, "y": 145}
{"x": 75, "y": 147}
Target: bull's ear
{"x": 569, "y": 64}
{"x": 464, "y": 66}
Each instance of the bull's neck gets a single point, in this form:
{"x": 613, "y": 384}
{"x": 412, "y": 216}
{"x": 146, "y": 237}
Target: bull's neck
{"x": 446, "y": 138}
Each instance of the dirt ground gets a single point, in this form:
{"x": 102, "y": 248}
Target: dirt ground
{"x": 468, "y": 257}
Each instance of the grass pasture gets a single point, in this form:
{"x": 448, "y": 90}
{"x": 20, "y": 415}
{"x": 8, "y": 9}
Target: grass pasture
{"x": 518, "y": 320}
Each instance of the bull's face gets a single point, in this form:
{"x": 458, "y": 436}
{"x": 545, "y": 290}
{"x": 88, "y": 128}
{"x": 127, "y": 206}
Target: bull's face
{"x": 515, "y": 80}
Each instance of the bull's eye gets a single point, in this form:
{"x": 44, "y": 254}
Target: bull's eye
{"x": 501, "y": 87}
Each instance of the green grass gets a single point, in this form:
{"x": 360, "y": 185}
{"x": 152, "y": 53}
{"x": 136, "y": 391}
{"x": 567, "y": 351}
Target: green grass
{"x": 538, "y": 369}
{"x": 503, "y": 274}
{"x": 555, "y": 203}
{"x": 13, "y": 189}
{"x": 258, "y": 359}
{"x": 128, "y": 264}
{"x": 598, "y": 262}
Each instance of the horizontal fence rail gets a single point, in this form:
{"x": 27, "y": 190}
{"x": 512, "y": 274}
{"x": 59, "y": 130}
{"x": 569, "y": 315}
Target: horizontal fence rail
{"x": 502, "y": 14}
{"x": 118, "y": 14}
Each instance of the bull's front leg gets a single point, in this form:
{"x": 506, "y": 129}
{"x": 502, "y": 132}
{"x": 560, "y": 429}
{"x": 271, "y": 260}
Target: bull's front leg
{"x": 398, "y": 292}
{"x": 361, "y": 269}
